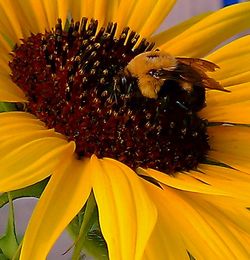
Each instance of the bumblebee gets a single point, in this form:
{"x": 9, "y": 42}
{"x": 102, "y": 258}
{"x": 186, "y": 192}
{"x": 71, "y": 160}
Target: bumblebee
{"x": 182, "y": 80}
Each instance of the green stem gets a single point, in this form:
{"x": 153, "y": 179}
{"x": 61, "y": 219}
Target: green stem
{"x": 87, "y": 223}
{"x": 8, "y": 242}
{"x": 18, "y": 251}
{"x": 11, "y": 224}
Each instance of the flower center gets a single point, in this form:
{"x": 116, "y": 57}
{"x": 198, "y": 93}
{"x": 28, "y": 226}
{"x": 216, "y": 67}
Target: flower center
{"x": 76, "y": 81}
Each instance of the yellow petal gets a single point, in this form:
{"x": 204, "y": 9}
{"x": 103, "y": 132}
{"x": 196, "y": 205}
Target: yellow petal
{"x": 234, "y": 187}
{"x": 19, "y": 115}
{"x": 197, "y": 230}
{"x": 112, "y": 10}
{"x": 144, "y": 22}
{"x": 157, "y": 15}
{"x": 15, "y": 123}
{"x": 204, "y": 36}
{"x": 231, "y": 145}
{"x": 64, "y": 196}
{"x": 88, "y": 8}
{"x": 233, "y": 209}
{"x": 7, "y": 117}
{"x": 74, "y": 10}
{"x": 51, "y": 11}
{"x": 236, "y": 79}
{"x": 122, "y": 17}
{"x": 22, "y": 139}
{"x": 238, "y": 94}
{"x": 233, "y": 60}
{"x": 238, "y": 48}
{"x": 234, "y": 113}
{"x": 223, "y": 173}
{"x": 4, "y": 60}
{"x": 32, "y": 15}
{"x": 165, "y": 241}
{"x": 9, "y": 23}
{"x": 5, "y": 48}
{"x": 9, "y": 92}
{"x": 31, "y": 157}
{"x": 165, "y": 36}
{"x": 101, "y": 10}
{"x": 184, "y": 182}
{"x": 127, "y": 215}
{"x": 63, "y": 10}
{"x": 227, "y": 236}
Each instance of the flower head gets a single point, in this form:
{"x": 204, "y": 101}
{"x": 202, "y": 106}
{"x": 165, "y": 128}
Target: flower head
{"x": 167, "y": 168}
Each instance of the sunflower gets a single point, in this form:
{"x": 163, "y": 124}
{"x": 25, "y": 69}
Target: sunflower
{"x": 170, "y": 179}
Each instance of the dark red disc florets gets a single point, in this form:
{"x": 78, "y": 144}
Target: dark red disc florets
{"x": 74, "y": 82}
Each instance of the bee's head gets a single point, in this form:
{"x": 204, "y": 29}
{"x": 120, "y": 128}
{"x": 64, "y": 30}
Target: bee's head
{"x": 144, "y": 63}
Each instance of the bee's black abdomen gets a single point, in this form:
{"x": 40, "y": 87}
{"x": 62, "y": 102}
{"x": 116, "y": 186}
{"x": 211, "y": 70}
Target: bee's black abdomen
{"x": 173, "y": 92}
{"x": 197, "y": 98}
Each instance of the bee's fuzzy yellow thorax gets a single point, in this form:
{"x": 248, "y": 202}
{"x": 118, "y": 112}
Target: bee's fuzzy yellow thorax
{"x": 143, "y": 63}
{"x": 151, "y": 60}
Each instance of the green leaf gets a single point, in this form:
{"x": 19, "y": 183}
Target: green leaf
{"x": 6, "y": 106}
{"x": 96, "y": 245}
{"x": 8, "y": 242}
{"x": 34, "y": 191}
{"x": 3, "y": 257}
{"x": 90, "y": 214}
{"x": 85, "y": 231}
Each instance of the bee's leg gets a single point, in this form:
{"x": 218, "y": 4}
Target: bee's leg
{"x": 126, "y": 85}
{"x": 123, "y": 81}
{"x": 115, "y": 89}
{"x": 181, "y": 105}
{"x": 129, "y": 88}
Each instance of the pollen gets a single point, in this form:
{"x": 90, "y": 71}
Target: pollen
{"x": 75, "y": 82}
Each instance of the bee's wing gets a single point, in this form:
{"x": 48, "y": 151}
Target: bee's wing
{"x": 189, "y": 70}
{"x": 181, "y": 72}
{"x": 193, "y": 70}
{"x": 198, "y": 64}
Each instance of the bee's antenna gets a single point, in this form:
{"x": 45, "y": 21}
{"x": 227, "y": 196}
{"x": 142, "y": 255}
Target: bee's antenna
{"x": 181, "y": 105}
